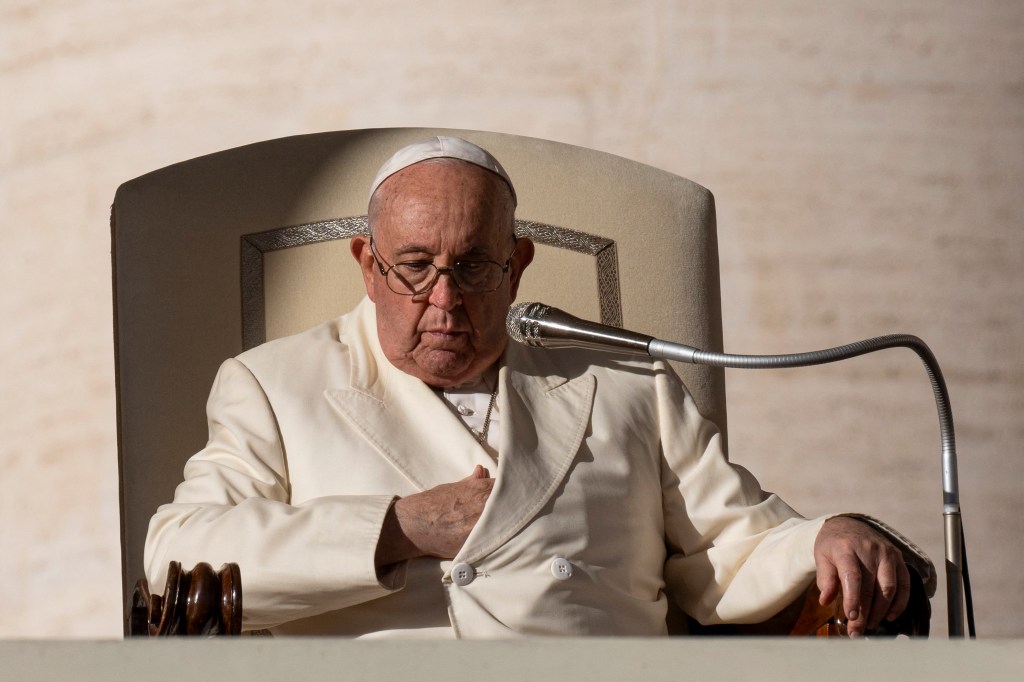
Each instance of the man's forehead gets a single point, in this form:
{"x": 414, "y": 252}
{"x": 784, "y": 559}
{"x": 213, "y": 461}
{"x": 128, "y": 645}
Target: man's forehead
{"x": 441, "y": 147}
{"x": 442, "y": 201}
{"x": 427, "y": 217}
{"x": 429, "y": 231}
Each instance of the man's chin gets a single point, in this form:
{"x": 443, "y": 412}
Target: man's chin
{"x": 441, "y": 368}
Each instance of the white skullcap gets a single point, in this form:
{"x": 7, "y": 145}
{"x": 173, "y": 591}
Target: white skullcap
{"x": 441, "y": 147}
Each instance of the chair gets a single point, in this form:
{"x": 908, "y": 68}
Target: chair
{"x": 217, "y": 254}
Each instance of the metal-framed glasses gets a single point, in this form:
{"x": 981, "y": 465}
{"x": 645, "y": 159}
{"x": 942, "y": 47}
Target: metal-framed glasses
{"x": 412, "y": 278}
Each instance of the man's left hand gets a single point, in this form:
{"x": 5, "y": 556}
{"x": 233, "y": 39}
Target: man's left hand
{"x": 871, "y": 572}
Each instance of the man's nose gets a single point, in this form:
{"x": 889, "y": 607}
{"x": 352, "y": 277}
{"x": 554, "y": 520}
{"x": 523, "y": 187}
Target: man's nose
{"x": 446, "y": 293}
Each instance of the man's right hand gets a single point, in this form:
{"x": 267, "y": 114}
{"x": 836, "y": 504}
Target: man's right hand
{"x": 435, "y": 522}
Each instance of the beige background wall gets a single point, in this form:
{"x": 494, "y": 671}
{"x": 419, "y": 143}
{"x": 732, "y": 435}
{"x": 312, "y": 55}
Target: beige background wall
{"x": 867, "y": 159}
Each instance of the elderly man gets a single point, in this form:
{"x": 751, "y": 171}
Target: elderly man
{"x": 349, "y": 468}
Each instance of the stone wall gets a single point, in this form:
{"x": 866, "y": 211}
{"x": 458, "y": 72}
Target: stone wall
{"x": 867, "y": 159}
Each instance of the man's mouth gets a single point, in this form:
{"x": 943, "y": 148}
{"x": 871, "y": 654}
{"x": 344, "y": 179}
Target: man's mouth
{"x": 444, "y": 335}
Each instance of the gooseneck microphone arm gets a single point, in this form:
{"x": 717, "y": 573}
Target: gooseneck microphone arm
{"x": 537, "y": 324}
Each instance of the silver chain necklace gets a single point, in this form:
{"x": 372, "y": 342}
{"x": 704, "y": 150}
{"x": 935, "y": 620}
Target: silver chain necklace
{"x": 481, "y": 435}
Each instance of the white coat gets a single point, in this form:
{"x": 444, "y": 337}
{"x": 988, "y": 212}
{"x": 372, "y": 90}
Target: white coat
{"x": 611, "y": 492}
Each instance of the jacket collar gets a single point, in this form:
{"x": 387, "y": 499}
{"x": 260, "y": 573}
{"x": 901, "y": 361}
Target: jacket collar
{"x": 398, "y": 414}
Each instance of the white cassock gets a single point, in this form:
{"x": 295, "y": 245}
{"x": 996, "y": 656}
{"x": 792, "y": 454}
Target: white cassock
{"x": 611, "y": 492}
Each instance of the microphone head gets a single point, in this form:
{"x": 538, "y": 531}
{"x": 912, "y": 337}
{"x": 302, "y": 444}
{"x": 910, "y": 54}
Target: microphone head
{"x": 537, "y": 324}
{"x": 521, "y": 321}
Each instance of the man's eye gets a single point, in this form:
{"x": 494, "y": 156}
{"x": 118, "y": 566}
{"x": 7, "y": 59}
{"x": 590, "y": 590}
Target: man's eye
{"x": 416, "y": 266}
{"x": 472, "y": 267}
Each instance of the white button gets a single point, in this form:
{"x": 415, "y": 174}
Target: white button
{"x": 465, "y": 411}
{"x": 561, "y": 568}
{"x": 463, "y": 574}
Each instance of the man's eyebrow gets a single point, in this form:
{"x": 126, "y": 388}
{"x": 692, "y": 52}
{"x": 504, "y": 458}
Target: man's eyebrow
{"x": 473, "y": 253}
{"x": 413, "y": 249}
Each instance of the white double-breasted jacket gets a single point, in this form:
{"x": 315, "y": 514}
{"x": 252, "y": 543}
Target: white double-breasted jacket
{"x": 611, "y": 492}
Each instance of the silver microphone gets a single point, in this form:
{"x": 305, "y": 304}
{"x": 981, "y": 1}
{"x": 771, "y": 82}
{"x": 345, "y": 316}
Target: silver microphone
{"x": 537, "y": 324}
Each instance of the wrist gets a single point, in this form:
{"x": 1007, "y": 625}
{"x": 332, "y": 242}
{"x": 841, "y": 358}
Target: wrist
{"x": 393, "y": 545}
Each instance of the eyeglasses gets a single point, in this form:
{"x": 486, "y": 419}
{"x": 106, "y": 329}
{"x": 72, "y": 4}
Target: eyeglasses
{"x": 411, "y": 278}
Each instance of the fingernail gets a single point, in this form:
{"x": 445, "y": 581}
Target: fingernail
{"x": 854, "y": 615}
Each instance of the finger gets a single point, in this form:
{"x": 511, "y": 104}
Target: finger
{"x": 899, "y": 603}
{"x": 479, "y": 471}
{"x": 482, "y": 488}
{"x": 828, "y": 582}
{"x": 887, "y": 581}
{"x": 850, "y": 576}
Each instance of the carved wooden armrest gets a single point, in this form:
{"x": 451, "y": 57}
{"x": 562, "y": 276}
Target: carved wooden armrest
{"x": 197, "y": 602}
{"x": 807, "y": 618}
{"x": 829, "y": 621}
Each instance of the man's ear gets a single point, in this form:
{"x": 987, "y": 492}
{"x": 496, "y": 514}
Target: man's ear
{"x": 360, "y": 248}
{"x": 521, "y": 259}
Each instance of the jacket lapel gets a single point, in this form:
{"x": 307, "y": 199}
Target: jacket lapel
{"x": 543, "y": 420}
{"x": 401, "y": 417}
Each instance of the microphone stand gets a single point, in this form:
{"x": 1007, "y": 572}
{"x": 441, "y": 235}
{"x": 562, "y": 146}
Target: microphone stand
{"x": 952, "y": 521}
{"x": 541, "y": 325}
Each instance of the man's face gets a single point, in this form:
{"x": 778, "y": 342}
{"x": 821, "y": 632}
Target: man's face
{"x": 442, "y": 213}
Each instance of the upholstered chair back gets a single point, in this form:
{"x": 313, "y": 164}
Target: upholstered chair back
{"x": 217, "y": 254}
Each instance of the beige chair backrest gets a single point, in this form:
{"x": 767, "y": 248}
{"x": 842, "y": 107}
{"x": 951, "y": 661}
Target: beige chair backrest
{"x": 217, "y": 254}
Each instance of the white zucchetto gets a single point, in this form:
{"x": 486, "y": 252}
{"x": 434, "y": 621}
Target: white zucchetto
{"x": 441, "y": 147}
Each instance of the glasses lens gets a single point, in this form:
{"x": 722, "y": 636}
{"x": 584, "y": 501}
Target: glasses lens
{"x": 411, "y": 278}
{"x": 470, "y": 276}
{"x": 478, "y": 276}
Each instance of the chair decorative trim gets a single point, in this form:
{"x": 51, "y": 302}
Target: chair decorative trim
{"x": 601, "y": 248}
{"x": 254, "y": 324}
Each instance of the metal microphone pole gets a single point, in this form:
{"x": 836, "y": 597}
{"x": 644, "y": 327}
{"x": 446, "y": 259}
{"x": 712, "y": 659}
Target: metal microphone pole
{"x": 952, "y": 522}
{"x": 539, "y": 324}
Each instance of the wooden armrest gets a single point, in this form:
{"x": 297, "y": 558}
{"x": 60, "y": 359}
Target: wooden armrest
{"x": 829, "y": 621}
{"x": 807, "y": 618}
{"x": 197, "y": 602}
